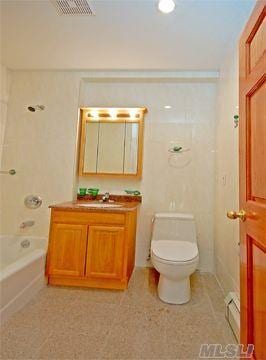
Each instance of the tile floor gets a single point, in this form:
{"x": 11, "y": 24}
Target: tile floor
{"x": 68, "y": 323}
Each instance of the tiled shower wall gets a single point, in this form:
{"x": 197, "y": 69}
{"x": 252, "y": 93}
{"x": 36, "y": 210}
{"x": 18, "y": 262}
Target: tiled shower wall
{"x": 41, "y": 146}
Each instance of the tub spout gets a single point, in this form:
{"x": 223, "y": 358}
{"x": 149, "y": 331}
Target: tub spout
{"x": 26, "y": 224}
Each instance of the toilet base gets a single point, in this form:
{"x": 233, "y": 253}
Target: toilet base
{"x": 174, "y": 291}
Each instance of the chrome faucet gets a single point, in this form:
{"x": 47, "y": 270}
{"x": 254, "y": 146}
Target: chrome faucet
{"x": 27, "y": 223}
{"x": 106, "y": 197}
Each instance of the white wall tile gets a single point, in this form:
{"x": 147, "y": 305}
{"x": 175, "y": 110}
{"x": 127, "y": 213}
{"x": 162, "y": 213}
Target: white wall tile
{"x": 226, "y": 195}
{"x": 184, "y": 180}
{"x": 41, "y": 146}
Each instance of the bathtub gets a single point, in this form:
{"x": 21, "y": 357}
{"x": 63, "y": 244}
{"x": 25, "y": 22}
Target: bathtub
{"x": 22, "y": 263}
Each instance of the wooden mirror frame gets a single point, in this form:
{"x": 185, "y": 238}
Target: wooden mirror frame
{"x": 111, "y": 115}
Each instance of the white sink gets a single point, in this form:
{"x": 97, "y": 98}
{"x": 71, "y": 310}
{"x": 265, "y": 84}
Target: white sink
{"x": 100, "y": 205}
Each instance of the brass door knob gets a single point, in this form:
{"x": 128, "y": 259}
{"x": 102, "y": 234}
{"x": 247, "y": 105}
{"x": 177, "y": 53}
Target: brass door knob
{"x": 237, "y": 215}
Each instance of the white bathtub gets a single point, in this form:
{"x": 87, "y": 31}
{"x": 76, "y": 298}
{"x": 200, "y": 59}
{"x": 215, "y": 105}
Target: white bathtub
{"x": 21, "y": 271}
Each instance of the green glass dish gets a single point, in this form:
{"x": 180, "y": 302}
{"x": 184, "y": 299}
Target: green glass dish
{"x": 82, "y": 191}
{"x": 93, "y": 192}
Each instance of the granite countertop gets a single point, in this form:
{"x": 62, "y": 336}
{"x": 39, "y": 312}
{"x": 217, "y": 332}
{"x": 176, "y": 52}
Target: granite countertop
{"x": 118, "y": 198}
{"x": 75, "y": 205}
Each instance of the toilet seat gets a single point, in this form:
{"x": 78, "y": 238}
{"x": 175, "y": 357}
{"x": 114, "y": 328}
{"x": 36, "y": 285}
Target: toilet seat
{"x": 171, "y": 251}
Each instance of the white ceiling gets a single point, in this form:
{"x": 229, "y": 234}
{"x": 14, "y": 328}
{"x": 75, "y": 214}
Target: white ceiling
{"x": 123, "y": 34}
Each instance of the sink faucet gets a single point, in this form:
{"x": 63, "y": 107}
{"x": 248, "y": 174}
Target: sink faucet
{"x": 106, "y": 197}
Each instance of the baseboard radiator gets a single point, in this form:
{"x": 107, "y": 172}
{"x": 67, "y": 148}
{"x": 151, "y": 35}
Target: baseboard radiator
{"x": 233, "y": 313}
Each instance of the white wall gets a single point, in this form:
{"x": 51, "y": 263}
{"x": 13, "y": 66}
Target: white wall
{"x": 41, "y": 146}
{"x": 4, "y": 93}
{"x": 226, "y": 193}
{"x": 167, "y": 182}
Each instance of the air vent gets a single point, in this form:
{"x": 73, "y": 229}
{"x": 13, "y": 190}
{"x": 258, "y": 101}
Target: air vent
{"x": 72, "y": 7}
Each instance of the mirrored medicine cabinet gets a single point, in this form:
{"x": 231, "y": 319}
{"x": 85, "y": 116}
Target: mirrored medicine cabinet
{"x": 111, "y": 141}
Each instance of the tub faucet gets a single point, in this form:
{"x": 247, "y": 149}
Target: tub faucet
{"x": 28, "y": 223}
{"x": 106, "y": 197}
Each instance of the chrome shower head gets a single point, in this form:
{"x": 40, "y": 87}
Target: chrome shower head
{"x": 31, "y": 108}
{"x": 37, "y": 107}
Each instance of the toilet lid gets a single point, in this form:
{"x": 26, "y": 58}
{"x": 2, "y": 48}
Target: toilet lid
{"x": 174, "y": 250}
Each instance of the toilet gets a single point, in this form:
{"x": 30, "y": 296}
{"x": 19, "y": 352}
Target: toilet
{"x": 174, "y": 254}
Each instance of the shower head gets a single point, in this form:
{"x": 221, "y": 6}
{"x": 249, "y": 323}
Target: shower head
{"x": 31, "y": 108}
{"x": 36, "y": 107}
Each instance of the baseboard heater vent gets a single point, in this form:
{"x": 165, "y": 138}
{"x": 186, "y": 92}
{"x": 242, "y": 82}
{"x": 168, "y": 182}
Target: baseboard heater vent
{"x": 233, "y": 313}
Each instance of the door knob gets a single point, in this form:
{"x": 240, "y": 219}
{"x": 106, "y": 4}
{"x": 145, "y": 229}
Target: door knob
{"x": 237, "y": 215}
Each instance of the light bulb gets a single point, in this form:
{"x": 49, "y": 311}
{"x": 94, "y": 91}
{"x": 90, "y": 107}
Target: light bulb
{"x": 166, "y": 6}
{"x": 113, "y": 113}
{"x": 94, "y": 113}
{"x": 133, "y": 113}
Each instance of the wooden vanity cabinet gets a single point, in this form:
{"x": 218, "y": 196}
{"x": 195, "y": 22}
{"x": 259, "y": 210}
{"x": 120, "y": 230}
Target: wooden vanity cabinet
{"x": 68, "y": 249}
{"x": 92, "y": 249}
{"x": 105, "y": 252}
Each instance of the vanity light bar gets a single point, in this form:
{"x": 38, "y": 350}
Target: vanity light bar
{"x": 114, "y": 113}
{"x": 105, "y": 115}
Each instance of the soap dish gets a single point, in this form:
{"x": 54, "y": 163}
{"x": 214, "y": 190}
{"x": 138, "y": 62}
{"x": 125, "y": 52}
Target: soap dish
{"x": 178, "y": 150}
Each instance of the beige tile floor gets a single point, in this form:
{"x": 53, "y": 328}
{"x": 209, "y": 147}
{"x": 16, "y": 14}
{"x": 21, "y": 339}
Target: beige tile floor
{"x": 67, "y": 323}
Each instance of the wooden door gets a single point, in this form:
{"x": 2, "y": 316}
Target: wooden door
{"x": 105, "y": 252}
{"x": 253, "y": 181}
{"x": 67, "y": 251}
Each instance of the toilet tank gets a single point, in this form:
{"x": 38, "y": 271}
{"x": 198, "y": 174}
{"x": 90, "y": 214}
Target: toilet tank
{"x": 174, "y": 226}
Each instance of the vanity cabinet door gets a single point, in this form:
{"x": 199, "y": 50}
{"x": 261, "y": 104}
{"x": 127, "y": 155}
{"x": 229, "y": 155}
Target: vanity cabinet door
{"x": 67, "y": 252}
{"x": 105, "y": 252}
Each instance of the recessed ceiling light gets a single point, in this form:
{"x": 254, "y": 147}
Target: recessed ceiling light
{"x": 166, "y": 6}
{"x": 167, "y": 106}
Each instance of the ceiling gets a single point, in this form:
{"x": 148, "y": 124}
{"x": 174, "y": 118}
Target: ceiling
{"x": 123, "y": 34}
